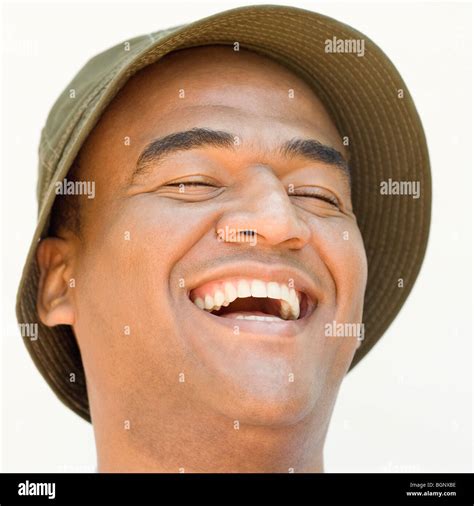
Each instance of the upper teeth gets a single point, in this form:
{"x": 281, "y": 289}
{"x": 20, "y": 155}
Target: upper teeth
{"x": 216, "y": 295}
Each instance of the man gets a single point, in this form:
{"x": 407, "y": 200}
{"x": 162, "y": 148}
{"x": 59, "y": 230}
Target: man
{"x": 214, "y": 277}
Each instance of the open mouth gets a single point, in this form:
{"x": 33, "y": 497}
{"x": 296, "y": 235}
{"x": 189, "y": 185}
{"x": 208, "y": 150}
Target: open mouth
{"x": 252, "y": 299}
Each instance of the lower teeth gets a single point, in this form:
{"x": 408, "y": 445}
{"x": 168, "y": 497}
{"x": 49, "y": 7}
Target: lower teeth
{"x": 259, "y": 318}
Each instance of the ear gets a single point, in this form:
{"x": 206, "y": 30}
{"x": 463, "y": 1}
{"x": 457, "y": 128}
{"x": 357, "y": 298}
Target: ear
{"x": 54, "y": 301}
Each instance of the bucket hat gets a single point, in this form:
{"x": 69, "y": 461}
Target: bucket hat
{"x": 366, "y": 98}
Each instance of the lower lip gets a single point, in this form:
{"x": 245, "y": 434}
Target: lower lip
{"x": 256, "y": 328}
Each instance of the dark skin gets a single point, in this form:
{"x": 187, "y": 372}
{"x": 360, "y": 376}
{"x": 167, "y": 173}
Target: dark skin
{"x": 145, "y": 417}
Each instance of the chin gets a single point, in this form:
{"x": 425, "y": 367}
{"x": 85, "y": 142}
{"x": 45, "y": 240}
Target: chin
{"x": 275, "y": 405}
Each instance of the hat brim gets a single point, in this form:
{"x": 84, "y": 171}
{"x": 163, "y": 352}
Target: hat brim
{"x": 363, "y": 96}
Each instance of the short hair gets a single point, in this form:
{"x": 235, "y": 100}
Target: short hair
{"x": 66, "y": 210}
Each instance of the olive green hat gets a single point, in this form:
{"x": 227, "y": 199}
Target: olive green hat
{"x": 364, "y": 94}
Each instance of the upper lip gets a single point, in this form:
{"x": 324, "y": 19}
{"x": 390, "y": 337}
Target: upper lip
{"x": 280, "y": 273}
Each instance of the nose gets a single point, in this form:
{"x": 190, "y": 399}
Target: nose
{"x": 262, "y": 208}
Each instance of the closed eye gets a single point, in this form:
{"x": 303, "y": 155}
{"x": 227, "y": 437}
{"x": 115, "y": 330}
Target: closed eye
{"x": 319, "y": 196}
{"x": 194, "y": 190}
{"x": 191, "y": 184}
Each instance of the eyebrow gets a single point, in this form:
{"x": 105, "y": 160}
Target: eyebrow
{"x": 157, "y": 150}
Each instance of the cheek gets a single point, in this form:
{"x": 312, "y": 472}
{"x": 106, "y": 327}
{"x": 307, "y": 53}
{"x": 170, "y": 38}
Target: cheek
{"x": 340, "y": 246}
{"x": 124, "y": 276}
{"x": 146, "y": 236}
{"x": 129, "y": 264}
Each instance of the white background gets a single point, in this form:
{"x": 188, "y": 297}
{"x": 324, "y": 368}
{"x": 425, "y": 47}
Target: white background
{"x": 407, "y": 407}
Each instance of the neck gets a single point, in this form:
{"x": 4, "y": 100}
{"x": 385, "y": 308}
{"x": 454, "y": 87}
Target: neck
{"x": 206, "y": 443}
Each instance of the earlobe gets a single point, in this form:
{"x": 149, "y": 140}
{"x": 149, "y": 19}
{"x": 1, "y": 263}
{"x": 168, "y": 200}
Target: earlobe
{"x": 54, "y": 301}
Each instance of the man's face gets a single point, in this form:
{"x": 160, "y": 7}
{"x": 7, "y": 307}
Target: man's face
{"x": 168, "y": 231}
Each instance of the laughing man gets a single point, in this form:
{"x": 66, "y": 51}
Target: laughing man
{"x": 190, "y": 309}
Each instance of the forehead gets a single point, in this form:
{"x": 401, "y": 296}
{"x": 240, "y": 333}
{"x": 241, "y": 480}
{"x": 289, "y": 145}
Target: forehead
{"x": 215, "y": 87}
